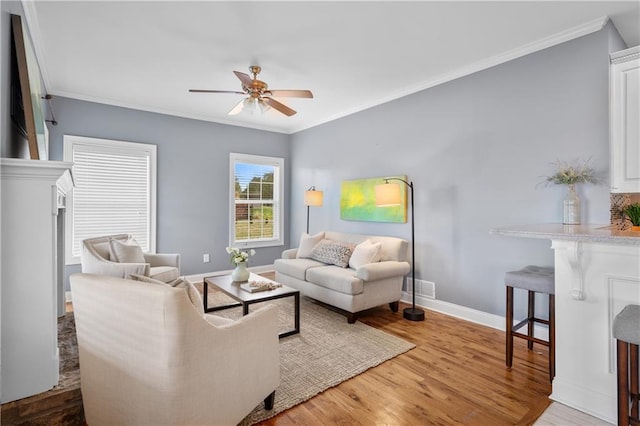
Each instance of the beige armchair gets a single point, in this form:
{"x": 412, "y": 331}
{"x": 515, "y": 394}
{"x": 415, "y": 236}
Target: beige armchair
{"x": 96, "y": 259}
{"x": 149, "y": 356}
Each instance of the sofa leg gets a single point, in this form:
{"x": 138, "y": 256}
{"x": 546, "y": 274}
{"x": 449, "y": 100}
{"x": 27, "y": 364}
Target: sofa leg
{"x": 268, "y": 401}
{"x": 351, "y": 317}
{"x": 393, "y": 306}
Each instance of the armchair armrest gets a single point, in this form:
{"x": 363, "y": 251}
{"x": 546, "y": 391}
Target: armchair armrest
{"x": 244, "y": 351}
{"x": 163, "y": 259}
{"x": 94, "y": 265}
{"x": 381, "y": 270}
{"x": 290, "y": 253}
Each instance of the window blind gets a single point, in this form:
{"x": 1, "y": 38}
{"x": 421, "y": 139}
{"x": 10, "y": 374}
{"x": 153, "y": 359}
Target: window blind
{"x": 112, "y": 193}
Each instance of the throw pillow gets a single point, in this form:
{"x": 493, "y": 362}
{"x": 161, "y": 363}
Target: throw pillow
{"x": 365, "y": 252}
{"x": 192, "y": 292}
{"x": 307, "y": 243}
{"x": 332, "y": 252}
{"x": 126, "y": 252}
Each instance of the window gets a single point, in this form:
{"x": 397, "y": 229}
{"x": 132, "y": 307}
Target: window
{"x": 114, "y": 193}
{"x": 255, "y": 208}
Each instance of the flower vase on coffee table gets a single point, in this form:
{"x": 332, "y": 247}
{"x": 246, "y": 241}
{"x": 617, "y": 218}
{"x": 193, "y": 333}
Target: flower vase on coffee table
{"x": 241, "y": 273}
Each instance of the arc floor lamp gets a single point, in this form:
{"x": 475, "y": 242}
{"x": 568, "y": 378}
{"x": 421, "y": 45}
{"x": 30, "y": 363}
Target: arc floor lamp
{"x": 389, "y": 194}
{"x": 312, "y": 197}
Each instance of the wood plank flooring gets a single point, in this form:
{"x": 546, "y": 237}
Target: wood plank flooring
{"x": 455, "y": 375}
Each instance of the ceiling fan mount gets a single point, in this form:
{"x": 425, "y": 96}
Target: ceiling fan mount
{"x": 259, "y": 93}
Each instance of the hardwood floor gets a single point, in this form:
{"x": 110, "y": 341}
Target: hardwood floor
{"x": 455, "y": 375}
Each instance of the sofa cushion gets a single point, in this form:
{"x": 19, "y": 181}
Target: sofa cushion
{"x": 335, "y": 278}
{"x": 307, "y": 243}
{"x": 296, "y": 268}
{"x": 103, "y": 249}
{"x": 392, "y": 248}
{"x": 164, "y": 273}
{"x": 333, "y": 252}
{"x": 144, "y": 278}
{"x": 192, "y": 292}
{"x": 126, "y": 252}
{"x": 365, "y": 252}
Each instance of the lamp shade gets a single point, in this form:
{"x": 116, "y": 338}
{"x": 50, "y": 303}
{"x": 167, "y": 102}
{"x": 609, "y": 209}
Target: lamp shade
{"x": 388, "y": 194}
{"x": 313, "y": 198}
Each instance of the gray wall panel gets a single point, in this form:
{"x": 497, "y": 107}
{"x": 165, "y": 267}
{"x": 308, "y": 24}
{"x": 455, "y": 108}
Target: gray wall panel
{"x": 476, "y": 149}
{"x": 193, "y": 173}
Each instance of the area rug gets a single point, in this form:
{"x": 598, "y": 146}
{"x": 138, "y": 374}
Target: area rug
{"x": 327, "y": 351}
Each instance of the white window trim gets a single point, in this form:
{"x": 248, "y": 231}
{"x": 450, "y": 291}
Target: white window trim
{"x": 69, "y": 141}
{"x": 278, "y": 198}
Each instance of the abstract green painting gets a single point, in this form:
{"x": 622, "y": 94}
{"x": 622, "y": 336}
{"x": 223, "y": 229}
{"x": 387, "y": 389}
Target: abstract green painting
{"x": 358, "y": 202}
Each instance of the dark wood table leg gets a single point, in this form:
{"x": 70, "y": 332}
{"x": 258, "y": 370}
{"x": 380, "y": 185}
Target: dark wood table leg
{"x": 205, "y": 293}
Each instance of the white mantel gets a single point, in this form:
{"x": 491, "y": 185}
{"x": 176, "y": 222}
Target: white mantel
{"x": 597, "y": 273}
{"x": 32, "y": 192}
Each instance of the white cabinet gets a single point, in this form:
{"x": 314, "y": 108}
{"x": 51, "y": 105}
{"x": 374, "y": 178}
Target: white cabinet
{"x": 29, "y": 291}
{"x": 625, "y": 117}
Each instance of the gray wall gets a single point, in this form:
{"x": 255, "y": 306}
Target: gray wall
{"x": 476, "y": 149}
{"x": 193, "y": 173}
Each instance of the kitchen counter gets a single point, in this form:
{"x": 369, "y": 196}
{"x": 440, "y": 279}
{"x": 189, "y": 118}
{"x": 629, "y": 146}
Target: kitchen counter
{"x": 608, "y": 234}
{"x": 597, "y": 273}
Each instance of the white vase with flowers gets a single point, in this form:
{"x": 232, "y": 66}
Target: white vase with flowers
{"x": 570, "y": 174}
{"x": 240, "y": 259}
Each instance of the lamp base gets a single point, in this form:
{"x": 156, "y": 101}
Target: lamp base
{"x": 413, "y": 314}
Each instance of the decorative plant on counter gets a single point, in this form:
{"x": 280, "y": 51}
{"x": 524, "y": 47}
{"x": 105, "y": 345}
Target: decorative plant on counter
{"x": 571, "y": 173}
{"x": 633, "y": 213}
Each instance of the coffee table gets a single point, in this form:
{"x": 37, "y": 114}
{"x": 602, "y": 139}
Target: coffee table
{"x": 232, "y": 289}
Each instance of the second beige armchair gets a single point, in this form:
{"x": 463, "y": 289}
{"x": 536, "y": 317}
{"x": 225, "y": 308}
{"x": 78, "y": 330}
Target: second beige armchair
{"x": 98, "y": 258}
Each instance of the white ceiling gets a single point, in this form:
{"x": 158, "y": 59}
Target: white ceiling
{"x": 352, "y": 55}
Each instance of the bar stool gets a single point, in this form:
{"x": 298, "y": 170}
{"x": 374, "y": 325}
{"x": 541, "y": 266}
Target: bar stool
{"x": 626, "y": 330}
{"x": 534, "y": 279}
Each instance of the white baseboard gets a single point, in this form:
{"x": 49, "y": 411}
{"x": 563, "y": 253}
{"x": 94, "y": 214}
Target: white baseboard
{"x": 468, "y": 314}
{"x": 447, "y": 308}
{"x": 458, "y": 311}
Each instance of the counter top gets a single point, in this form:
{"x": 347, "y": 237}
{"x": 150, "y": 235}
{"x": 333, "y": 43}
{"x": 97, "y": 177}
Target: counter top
{"x": 607, "y": 234}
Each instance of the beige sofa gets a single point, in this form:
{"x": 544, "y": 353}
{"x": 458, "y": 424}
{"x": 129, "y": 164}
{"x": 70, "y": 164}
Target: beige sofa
{"x": 150, "y": 356}
{"x": 352, "y": 290}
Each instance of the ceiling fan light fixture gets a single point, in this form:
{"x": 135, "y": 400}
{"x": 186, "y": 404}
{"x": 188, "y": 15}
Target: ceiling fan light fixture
{"x": 260, "y": 98}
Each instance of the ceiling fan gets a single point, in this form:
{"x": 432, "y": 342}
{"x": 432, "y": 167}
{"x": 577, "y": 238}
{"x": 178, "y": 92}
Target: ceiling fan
{"x": 259, "y": 94}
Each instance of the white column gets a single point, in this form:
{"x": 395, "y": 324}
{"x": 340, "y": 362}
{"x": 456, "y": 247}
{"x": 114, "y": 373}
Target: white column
{"x": 29, "y": 339}
{"x": 593, "y": 283}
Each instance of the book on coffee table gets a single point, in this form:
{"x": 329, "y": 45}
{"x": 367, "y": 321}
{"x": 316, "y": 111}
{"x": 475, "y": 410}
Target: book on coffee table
{"x": 256, "y": 286}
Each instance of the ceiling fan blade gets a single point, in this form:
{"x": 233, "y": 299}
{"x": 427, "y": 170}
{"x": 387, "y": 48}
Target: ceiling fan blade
{"x": 279, "y": 106}
{"x": 238, "y": 108}
{"x": 244, "y": 78}
{"x": 215, "y": 91}
{"x": 290, "y": 93}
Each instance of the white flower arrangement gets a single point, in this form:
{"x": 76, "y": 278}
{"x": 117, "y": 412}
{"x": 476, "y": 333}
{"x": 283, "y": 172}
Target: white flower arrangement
{"x": 238, "y": 256}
